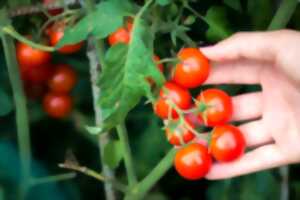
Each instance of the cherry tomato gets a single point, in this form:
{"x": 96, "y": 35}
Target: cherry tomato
{"x": 178, "y": 95}
{"x": 121, "y": 35}
{"x": 39, "y": 74}
{"x": 181, "y": 132}
{"x": 53, "y": 12}
{"x": 29, "y": 57}
{"x": 193, "y": 68}
{"x": 63, "y": 79}
{"x": 193, "y": 162}
{"x": 219, "y": 107}
{"x": 57, "y": 105}
{"x": 227, "y": 143}
{"x": 56, "y": 33}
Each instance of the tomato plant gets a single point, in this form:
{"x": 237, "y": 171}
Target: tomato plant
{"x": 193, "y": 161}
{"x": 121, "y": 35}
{"x": 227, "y": 143}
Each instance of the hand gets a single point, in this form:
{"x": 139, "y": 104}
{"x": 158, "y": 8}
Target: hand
{"x": 271, "y": 59}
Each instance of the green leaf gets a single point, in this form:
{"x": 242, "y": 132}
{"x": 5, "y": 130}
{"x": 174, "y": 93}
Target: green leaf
{"x": 123, "y": 78}
{"x": 6, "y": 105}
{"x": 93, "y": 130}
{"x": 107, "y": 17}
{"x": 218, "y": 24}
{"x": 234, "y": 4}
{"x": 113, "y": 153}
{"x": 163, "y": 2}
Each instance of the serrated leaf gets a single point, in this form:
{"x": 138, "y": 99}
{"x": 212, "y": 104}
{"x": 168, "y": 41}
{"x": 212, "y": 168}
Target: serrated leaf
{"x": 93, "y": 130}
{"x": 234, "y": 4}
{"x": 218, "y": 24}
{"x": 6, "y": 105}
{"x": 123, "y": 78}
{"x": 163, "y": 2}
{"x": 107, "y": 17}
{"x": 113, "y": 153}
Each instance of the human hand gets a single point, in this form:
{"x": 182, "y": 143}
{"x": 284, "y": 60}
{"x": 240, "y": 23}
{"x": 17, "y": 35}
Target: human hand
{"x": 271, "y": 59}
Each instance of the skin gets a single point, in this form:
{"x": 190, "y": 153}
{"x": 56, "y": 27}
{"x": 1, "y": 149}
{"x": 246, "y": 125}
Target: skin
{"x": 270, "y": 59}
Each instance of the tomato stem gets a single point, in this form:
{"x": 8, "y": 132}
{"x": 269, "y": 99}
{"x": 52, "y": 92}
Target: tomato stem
{"x": 23, "y": 132}
{"x": 123, "y": 136}
{"x": 141, "y": 189}
{"x": 13, "y": 33}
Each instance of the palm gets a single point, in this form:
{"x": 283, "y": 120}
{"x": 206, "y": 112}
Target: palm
{"x": 273, "y": 132}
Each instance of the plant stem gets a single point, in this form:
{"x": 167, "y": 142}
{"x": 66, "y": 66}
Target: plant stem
{"x": 93, "y": 174}
{"x": 141, "y": 189}
{"x": 13, "y": 33}
{"x": 283, "y": 14}
{"x": 96, "y": 57}
{"x": 122, "y": 133}
{"x": 20, "y": 104}
{"x": 55, "y": 178}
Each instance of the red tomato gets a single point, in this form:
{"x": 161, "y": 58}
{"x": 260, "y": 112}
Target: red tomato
{"x": 193, "y": 69}
{"x": 193, "y": 162}
{"x": 227, "y": 143}
{"x": 121, "y": 35}
{"x": 181, "y": 132}
{"x": 38, "y": 75}
{"x": 63, "y": 79}
{"x": 219, "y": 107}
{"x": 56, "y": 33}
{"x": 29, "y": 57}
{"x": 178, "y": 95}
{"x": 53, "y": 12}
{"x": 57, "y": 105}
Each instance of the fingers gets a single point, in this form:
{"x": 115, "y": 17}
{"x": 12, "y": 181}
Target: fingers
{"x": 265, "y": 157}
{"x": 256, "y": 45}
{"x": 255, "y": 133}
{"x": 235, "y": 72}
{"x": 247, "y": 106}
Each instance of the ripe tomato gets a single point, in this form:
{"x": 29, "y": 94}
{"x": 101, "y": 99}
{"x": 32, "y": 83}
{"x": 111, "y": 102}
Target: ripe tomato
{"x": 63, "y": 79}
{"x": 39, "y": 74}
{"x": 172, "y": 92}
{"x": 57, "y": 105}
{"x": 218, "y": 107}
{"x": 180, "y": 134}
{"x": 56, "y": 33}
{"x": 193, "y": 69}
{"x": 53, "y": 12}
{"x": 121, "y": 35}
{"x": 29, "y": 57}
{"x": 193, "y": 161}
{"x": 227, "y": 143}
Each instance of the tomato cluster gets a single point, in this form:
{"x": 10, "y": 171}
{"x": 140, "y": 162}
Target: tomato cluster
{"x": 42, "y": 79}
{"x": 212, "y": 108}
{"x": 182, "y": 113}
